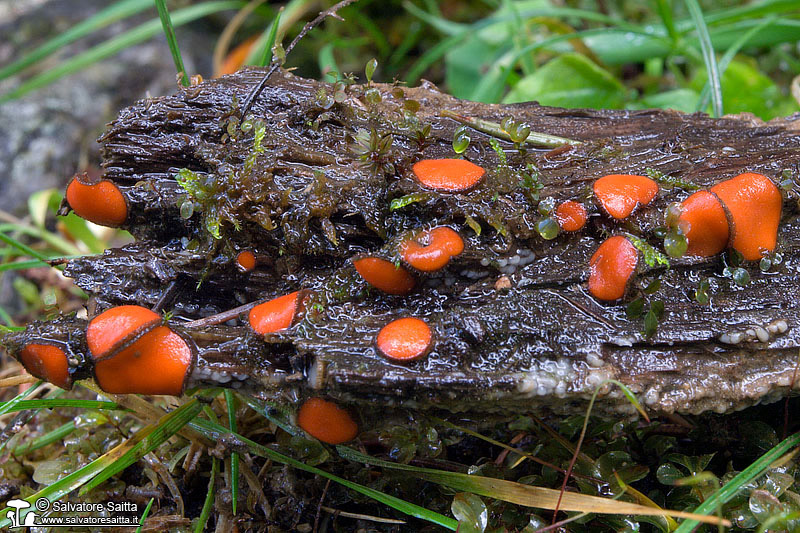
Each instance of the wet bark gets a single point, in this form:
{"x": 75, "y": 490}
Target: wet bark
{"x": 319, "y": 191}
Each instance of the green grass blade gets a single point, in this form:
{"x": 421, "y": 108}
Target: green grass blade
{"x": 146, "y": 440}
{"x": 112, "y": 46}
{"x": 709, "y": 58}
{"x": 109, "y": 15}
{"x": 729, "y": 490}
{"x": 11, "y": 405}
{"x": 215, "y": 431}
{"x": 664, "y": 8}
{"x": 144, "y": 515}
{"x": 116, "y": 459}
{"x": 266, "y": 42}
{"x": 50, "y": 437}
{"x": 518, "y": 493}
{"x": 58, "y": 402}
{"x": 200, "y": 526}
{"x": 30, "y": 252}
{"x": 172, "y": 41}
{"x": 731, "y": 52}
{"x": 230, "y": 401}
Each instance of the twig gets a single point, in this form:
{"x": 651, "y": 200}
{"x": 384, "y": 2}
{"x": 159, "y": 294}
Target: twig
{"x": 331, "y": 12}
{"x": 222, "y": 317}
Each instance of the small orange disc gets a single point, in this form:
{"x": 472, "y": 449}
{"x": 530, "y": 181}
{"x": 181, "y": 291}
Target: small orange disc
{"x": 275, "y": 315}
{"x": 404, "y": 339}
{"x": 246, "y": 261}
{"x": 571, "y": 215}
{"x": 708, "y": 224}
{"x": 384, "y": 275}
{"x": 47, "y": 362}
{"x": 101, "y": 203}
{"x": 448, "y": 175}
{"x": 326, "y": 421}
{"x": 610, "y": 268}
{"x": 754, "y": 203}
{"x": 621, "y": 194}
{"x": 431, "y": 250}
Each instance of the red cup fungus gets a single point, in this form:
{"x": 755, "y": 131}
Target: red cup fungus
{"x": 101, "y": 202}
{"x": 448, "y": 175}
{"x": 611, "y": 267}
{"x": 47, "y": 362}
{"x": 431, "y": 250}
{"x": 571, "y": 215}
{"x": 708, "y": 230}
{"x": 326, "y": 421}
{"x": 753, "y": 203}
{"x": 276, "y": 315}
{"x": 621, "y": 194}
{"x": 385, "y": 275}
{"x": 404, "y": 340}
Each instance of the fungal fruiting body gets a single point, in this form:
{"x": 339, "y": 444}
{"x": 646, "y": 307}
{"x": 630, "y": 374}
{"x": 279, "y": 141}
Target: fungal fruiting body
{"x": 47, "y": 362}
{"x": 571, "y": 215}
{"x": 621, "y": 194}
{"x": 101, "y": 203}
{"x": 246, "y": 261}
{"x": 157, "y": 363}
{"x": 276, "y": 315}
{"x": 326, "y": 421}
{"x": 611, "y": 267}
{"x": 133, "y": 354}
{"x": 448, "y": 175}
{"x": 385, "y": 275}
{"x": 707, "y": 223}
{"x": 431, "y": 250}
{"x": 109, "y": 329}
{"x": 753, "y": 203}
{"x": 405, "y": 339}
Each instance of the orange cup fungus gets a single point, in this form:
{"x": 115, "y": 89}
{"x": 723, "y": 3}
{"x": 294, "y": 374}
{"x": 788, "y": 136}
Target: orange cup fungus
{"x": 246, "y": 261}
{"x": 708, "y": 231}
{"x": 431, "y": 250}
{"x": 405, "y": 339}
{"x": 134, "y": 354}
{"x": 448, "y": 175}
{"x": 385, "y": 275}
{"x": 326, "y": 421}
{"x": 620, "y": 194}
{"x": 571, "y": 215}
{"x": 101, "y": 202}
{"x": 276, "y": 315}
{"x": 611, "y": 267}
{"x": 753, "y": 203}
{"x": 47, "y": 362}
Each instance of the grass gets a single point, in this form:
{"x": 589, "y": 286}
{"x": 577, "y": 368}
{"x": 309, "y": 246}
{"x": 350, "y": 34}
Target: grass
{"x": 489, "y": 474}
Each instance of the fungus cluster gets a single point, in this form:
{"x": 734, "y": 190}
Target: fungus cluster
{"x": 742, "y": 212}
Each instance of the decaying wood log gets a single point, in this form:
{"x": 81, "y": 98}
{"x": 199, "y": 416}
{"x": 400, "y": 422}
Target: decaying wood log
{"x": 322, "y": 173}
